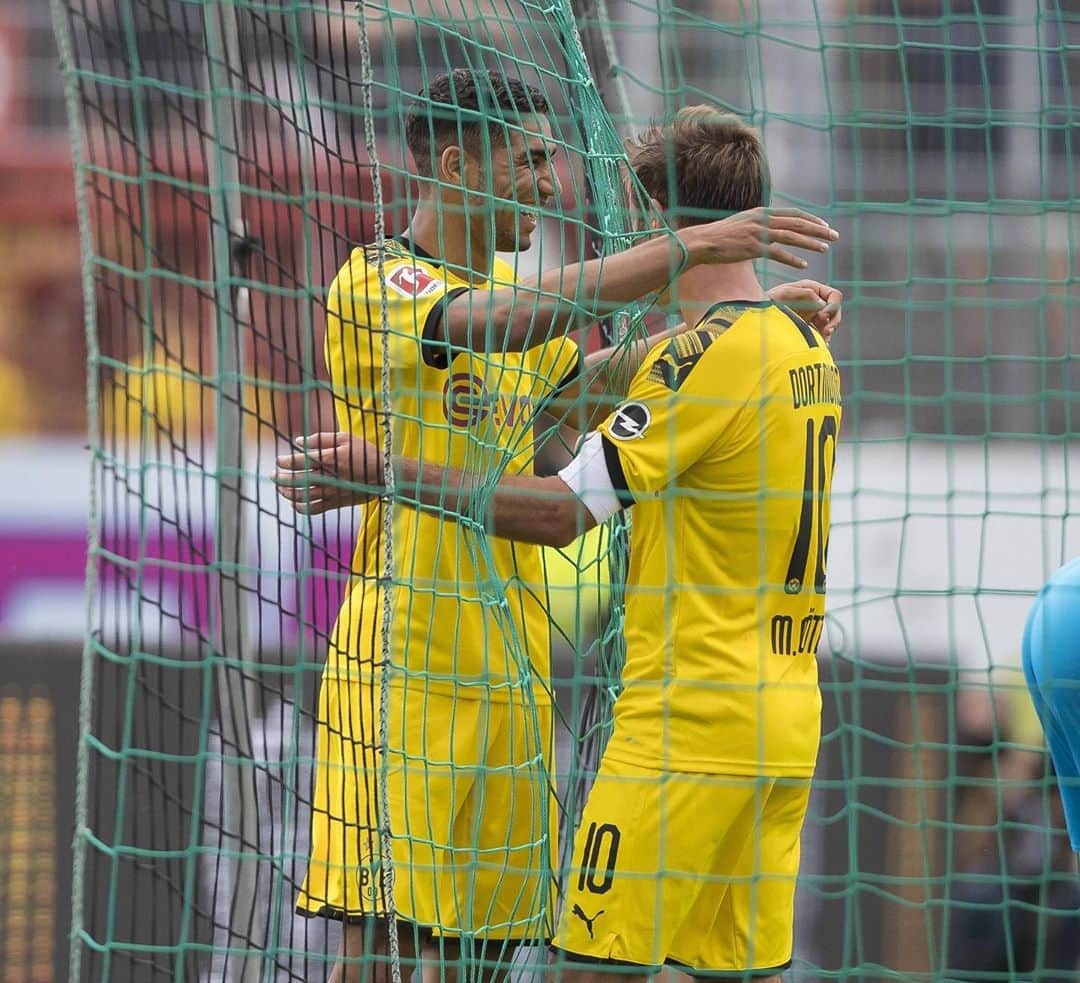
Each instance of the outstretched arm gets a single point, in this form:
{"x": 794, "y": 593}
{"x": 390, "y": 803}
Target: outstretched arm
{"x": 515, "y": 318}
{"x": 332, "y": 470}
{"x": 606, "y": 374}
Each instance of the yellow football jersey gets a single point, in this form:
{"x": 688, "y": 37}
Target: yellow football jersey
{"x": 725, "y": 446}
{"x": 464, "y": 603}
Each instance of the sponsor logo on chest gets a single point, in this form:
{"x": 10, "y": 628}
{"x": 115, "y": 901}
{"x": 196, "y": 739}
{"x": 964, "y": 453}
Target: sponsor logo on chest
{"x": 468, "y": 402}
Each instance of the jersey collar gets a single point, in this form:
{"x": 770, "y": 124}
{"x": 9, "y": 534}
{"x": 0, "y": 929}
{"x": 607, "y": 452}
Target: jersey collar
{"x": 416, "y": 250}
{"x": 728, "y": 304}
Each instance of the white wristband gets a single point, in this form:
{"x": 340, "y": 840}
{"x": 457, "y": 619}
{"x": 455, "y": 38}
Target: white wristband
{"x": 587, "y": 477}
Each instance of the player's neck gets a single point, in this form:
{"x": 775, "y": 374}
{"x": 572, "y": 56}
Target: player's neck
{"x": 445, "y": 236}
{"x": 702, "y": 287}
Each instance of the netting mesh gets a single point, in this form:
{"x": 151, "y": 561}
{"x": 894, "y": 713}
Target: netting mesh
{"x": 230, "y": 156}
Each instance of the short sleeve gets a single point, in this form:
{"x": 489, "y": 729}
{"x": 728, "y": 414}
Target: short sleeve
{"x": 558, "y": 364}
{"x": 415, "y": 296}
{"x": 678, "y": 407}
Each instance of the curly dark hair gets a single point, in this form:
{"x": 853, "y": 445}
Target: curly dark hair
{"x": 454, "y": 107}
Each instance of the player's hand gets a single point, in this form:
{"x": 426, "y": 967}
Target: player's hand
{"x": 818, "y": 304}
{"x": 329, "y": 471}
{"x": 771, "y": 233}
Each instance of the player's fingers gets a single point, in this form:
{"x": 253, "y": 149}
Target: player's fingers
{"x": 294, "y": 477}
{"x": 797, "y": 219}
{"x": 317, "y": 499}
{"x": 798, "y": 240}
{"x": 326, "y": 461}
{"x": 822, "y": 291}
{"x": 808, "y": 230}
{"x": 313, "y": 507}
{"x": 292, "y": 462}
{"x": 332, "y": 498}
{"x": 794, "y": 213}
{"x": 825, "y": 325}
{"x": 304, "y": 488}
{"x": 314, "y": 456}
{"x": 302, "y": 493}
{"x": 781, "y": 255}
{"x": 318, "y": 441}
{"x": 823, "y": 328}
{"x": 800, "y": 298}
{"x": 328, "y": 503}
{"x": 832, "y": 312}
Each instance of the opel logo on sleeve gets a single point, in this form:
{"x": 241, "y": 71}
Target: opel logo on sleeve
{"x": 630, "y": 421}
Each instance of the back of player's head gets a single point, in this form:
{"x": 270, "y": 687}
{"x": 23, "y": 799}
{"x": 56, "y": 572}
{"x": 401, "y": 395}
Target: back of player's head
{"x": 701, "y": 164}
{"x": 455, "y": 109}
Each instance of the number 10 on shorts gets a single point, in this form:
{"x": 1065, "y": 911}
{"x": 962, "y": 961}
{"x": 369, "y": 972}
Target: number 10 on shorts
{"x": 598, "y": 858}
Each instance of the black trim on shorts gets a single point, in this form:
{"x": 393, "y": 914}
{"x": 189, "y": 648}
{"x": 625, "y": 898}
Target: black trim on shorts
{"x": 698, "y": 974}
{"x": 578, "y": 957}
{"x": 616, "y": 473}
{"x": 727, "y": 974}
{"x": 337, "y": 915}
{"x": 435, "y": 350}
{"x": 426, "y": 932}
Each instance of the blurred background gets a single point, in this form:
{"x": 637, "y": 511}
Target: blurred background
{"x": 939, "y": 136}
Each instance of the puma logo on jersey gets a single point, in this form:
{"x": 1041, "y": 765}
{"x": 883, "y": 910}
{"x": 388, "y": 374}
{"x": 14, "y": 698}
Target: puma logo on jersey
{"x": 680, "y": 356}
{"x": 576, "y": 910}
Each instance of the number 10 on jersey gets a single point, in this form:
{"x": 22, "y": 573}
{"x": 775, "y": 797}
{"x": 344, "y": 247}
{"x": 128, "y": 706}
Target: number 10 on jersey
{"x": 812, "y": 528}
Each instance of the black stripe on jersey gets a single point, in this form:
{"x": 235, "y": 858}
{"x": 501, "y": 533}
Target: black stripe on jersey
{"x": 434, "y": 350}
{"x": 810, "y": 336}
{"x": 680, "y": 356}
{"x": 616, "y": 473}
{"x": 725, "y": 313}
{"x": 800, "y": 552}
{"x": 570, "y": 378}
{"x": 418, "y": 251}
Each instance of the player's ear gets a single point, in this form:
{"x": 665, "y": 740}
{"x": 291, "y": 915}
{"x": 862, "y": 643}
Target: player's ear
{"x": 452, "y": 166}
{"x": 656, "y": 215}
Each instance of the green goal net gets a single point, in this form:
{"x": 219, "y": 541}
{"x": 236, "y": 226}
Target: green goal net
{"x": 234, "y": 157}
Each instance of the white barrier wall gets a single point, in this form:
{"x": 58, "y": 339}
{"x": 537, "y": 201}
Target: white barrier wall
{"x": 937, "y": 547}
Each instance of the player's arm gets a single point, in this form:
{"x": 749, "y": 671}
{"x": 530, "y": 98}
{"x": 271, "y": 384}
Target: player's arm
{"x": 526, "y": 508}
{"x": 330, "y": 470}
{"x": 554, "y": 442}
{"x": 604, "y": 379}
{"x": 634, "y": 453}
{"x": 514, "y": 318}
{"x": 605, "y": 375}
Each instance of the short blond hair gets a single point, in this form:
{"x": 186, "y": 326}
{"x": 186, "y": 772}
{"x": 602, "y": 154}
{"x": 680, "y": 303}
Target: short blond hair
{"x": 701, "y": 164}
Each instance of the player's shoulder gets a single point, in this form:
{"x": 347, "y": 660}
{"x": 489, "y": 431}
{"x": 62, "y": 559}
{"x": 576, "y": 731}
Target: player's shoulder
{"x": 728, "y": 346}
{"x": 691, "y": 353}
{"x": 502, "y": 273}
{"x": 773, "y": 333}
{"x": 670, "y": 365}
{"x": 405, "y": 272}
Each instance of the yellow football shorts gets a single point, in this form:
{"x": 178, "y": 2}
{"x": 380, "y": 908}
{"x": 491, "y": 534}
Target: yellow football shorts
{"x": 471, "y": 814}
{"x": 692, "y": 870}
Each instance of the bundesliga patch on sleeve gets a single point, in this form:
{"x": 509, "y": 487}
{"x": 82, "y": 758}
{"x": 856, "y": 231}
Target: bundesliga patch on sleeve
{"x": 412, "y": 281}
{"x": 629, "y": 421}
